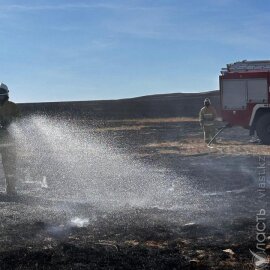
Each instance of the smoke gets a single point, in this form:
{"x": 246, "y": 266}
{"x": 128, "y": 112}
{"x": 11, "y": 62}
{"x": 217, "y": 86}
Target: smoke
{"x": 79, "y": 222}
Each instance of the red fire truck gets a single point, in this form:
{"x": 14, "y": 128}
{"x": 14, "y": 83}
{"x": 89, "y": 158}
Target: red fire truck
{"x": 245, "y": 96}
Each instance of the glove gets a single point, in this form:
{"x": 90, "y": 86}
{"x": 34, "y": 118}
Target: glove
{"x": 4, "y": 124}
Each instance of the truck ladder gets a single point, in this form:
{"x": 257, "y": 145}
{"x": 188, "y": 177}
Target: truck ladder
{"x": 245, "y": 66}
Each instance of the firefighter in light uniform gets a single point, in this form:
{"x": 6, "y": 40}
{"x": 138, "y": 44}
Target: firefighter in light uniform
{"x": 206, "y": 117}
{"x": 8, "y": 113}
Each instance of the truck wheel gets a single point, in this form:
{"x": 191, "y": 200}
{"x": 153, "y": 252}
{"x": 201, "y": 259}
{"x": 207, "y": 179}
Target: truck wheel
{"x": 263, "y": 128}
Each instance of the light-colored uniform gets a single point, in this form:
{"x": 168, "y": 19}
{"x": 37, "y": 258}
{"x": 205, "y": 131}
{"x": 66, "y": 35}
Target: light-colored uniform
{"x": 206, "y": 117}
{"x": 8, "y": 112}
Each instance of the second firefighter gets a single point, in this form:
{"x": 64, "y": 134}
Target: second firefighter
{"x": 207, "y": 118}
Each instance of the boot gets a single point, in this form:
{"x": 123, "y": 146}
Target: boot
{"x": 11, "y": 191}
{"x": 10, "y": 187}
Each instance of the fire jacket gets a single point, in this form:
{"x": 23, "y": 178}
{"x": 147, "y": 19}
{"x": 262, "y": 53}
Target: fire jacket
{"x": 8, "y": 112}
{"x": 207, "y": 116}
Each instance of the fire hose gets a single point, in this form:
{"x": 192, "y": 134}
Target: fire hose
{"x": 220, "y": 130}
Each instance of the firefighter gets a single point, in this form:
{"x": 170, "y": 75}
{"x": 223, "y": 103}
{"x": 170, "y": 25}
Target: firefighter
{"x": 8, "y": 113}
{"x": 206, "y": 117}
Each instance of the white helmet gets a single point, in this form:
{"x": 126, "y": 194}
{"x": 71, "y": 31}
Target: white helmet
{"x": 207, "y": 100}
{"x": 3, "y": 89}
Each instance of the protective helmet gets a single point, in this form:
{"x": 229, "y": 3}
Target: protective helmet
{"x": 207, "y": 101}
{"x": 3, "y": 90}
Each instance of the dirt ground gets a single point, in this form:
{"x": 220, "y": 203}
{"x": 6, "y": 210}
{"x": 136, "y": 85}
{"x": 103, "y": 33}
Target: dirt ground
{"x": 212, "y": 226}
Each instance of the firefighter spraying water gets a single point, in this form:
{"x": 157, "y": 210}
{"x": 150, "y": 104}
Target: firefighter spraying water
{"x": 8, "y": 112}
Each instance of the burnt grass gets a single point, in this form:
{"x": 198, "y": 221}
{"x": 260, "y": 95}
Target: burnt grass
{"x": 34, "y": 235}
{"x": 127, "y": 241}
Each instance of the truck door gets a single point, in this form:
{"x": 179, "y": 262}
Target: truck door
{"x": 257, "y": 91}
{"x": 234, "y": 94}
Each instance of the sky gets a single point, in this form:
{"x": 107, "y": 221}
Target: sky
{"x": 57, "y": 50}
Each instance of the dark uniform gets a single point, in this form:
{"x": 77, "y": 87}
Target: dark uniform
{"x": 8, "y": 112}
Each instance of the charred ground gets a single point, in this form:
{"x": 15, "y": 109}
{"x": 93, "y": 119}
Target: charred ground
{"x": 36, "y": 233}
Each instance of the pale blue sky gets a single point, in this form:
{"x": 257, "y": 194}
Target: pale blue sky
{"x": 100, "y": 49}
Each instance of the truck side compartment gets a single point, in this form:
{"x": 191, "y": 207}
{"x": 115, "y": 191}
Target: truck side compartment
{"x": 245, "y": 96}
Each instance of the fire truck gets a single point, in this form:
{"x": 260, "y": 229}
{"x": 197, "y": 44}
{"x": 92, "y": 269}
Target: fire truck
{"x": 245, "y": 96}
